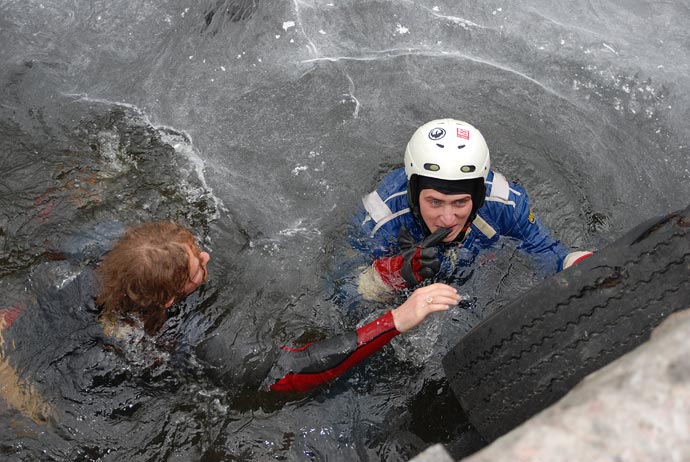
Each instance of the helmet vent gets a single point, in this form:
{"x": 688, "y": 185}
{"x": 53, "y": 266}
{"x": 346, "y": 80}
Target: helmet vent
{"x": 432, "y": 167}
{"x": 468, "y": 168}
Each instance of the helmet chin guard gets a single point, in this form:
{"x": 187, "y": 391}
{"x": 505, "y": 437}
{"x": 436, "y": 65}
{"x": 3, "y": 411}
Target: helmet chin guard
{"x": 450, "y": 150}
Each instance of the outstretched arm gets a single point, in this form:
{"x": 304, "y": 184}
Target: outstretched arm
{"x": 305, "y": 368}
{"x": 549, "y": 254}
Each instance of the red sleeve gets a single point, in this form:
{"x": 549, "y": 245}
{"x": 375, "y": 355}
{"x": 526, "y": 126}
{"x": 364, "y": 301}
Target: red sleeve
{"x": 323, "y": 361}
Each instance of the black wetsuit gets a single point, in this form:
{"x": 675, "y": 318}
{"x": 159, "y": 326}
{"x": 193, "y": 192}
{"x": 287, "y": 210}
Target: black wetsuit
{"x": 279, "y": 369}
{"x": 284, "y": 369}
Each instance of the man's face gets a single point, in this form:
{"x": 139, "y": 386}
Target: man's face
{"x": 445, "y": 211}
{"x": 197, "y": 268}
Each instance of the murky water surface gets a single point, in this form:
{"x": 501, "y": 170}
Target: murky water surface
{"x": 260, "y": 124}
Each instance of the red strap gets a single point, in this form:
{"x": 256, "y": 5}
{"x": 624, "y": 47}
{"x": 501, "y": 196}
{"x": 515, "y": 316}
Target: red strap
{"x": 370, "y": 338}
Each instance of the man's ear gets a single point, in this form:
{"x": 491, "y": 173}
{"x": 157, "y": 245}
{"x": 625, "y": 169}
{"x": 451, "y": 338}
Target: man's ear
{"x": 170, "y": 303}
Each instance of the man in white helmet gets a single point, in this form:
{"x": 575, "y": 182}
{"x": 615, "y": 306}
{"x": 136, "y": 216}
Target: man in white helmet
{"x": 442, "y": 208}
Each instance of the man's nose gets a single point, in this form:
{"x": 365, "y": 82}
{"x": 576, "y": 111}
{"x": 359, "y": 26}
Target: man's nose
{"x": 447, "y": 215}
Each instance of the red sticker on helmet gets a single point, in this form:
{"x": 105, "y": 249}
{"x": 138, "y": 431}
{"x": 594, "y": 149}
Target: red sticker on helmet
{"x": 463, "y": 133}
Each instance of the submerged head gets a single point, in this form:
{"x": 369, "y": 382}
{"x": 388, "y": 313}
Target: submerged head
{"x": 148, "y": 269}
{"x": 446, "y": 162}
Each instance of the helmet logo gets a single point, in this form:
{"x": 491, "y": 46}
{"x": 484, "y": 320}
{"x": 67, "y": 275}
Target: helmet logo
{"x": 437, "y": 133}
{"x": 463, "y": 133}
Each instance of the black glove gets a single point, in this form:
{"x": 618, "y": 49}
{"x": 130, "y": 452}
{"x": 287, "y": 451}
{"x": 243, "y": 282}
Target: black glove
{"x": 420, "y": 261}
{"x": 415, "y": 263}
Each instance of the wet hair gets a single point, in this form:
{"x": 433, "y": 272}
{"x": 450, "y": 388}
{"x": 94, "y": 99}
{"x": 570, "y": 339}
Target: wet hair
{"x": 146, "y": 268}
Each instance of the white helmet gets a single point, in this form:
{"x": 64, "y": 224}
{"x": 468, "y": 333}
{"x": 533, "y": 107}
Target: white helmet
{"x": 447, "y": 149}
{"x": 454, "y": 155}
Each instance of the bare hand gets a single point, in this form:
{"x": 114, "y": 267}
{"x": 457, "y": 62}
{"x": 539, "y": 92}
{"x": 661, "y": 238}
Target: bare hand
{"x": 422, "y": 302}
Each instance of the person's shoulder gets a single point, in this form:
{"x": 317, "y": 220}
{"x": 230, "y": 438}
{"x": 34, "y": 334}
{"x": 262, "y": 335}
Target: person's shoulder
{"x": 505, "y": 202}
{"x": 500, "y": 190}
{"x": 388, "y": 201}
{"x": 394, "y": 182}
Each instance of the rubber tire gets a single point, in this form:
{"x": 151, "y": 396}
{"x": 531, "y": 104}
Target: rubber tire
{"x": 534, "y": 350}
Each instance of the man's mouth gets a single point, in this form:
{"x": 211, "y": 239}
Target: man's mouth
{"x": 451, "y": 234}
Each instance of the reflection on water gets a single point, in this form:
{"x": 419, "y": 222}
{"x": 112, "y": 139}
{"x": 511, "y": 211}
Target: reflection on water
{"x": 20, "y": 395}
{"x": 107, "y": 163}
{"x": 283, "y": 114}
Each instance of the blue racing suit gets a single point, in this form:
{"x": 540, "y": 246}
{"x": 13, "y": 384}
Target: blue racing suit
{"x": 506, "y": 212}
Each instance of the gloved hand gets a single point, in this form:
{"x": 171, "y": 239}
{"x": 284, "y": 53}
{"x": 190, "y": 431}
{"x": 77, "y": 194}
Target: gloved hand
{"x": 415, "y": 263}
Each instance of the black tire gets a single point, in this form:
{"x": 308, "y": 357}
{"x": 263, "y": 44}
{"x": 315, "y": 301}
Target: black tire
{"x": 534, "y": 350}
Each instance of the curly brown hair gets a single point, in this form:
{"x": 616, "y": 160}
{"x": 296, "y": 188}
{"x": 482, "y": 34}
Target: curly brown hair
{"x": 146, "y": 268}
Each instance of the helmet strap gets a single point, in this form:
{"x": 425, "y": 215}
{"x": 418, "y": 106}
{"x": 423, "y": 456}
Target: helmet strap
{"x": 413, "y": 199}
{"x": 461, "y": 236}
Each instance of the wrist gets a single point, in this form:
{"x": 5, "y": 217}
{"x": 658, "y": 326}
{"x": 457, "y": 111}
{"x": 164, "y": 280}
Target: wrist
{"x": 401, "y": 320}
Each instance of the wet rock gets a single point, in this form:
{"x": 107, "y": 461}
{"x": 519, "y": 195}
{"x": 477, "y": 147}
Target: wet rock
{"x": 435, "y": 453}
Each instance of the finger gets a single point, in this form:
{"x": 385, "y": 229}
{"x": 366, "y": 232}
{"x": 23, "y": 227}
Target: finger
{"x": 428, "y": 259}
{"x": 428, "y": 253}
{"x": 435, "y": 238}
{"x": 436, "y": 289}
{"x": 445, "y": 300}
{"x": 433, "y": 308}
{"x": 449, "y": 297}
{"x": 439, "y": 298}
{"x": 440, "y": 303}
{"x": 431, "y": 262}
{"x": 435, "y": 292}
{"x": 427, "y": 272}
{"x": 405, "y": 239}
